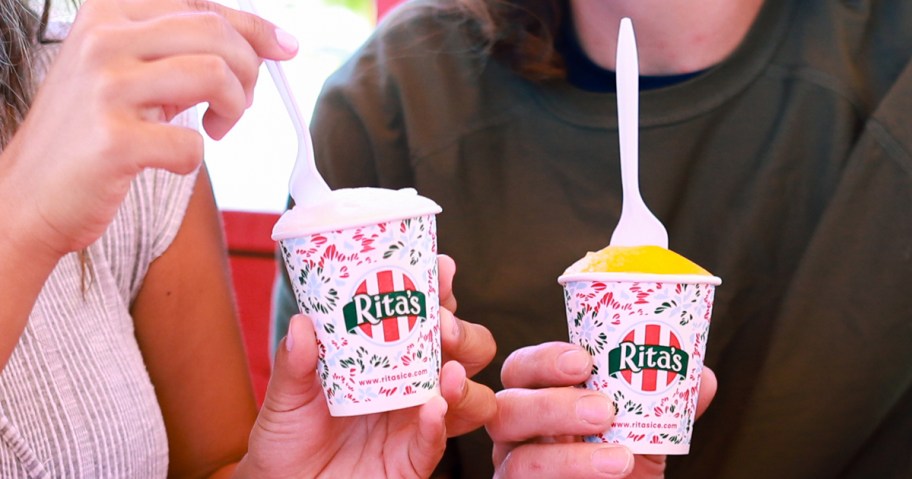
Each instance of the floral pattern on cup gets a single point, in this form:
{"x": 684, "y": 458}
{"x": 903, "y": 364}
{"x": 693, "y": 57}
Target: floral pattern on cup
{"x": 647, "y": 340}
{"x": 371, "y": 292}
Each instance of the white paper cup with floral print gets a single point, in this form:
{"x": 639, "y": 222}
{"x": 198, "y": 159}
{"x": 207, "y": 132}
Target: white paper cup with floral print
{"x": 647, "y": 336}
{"x": 364, "y": 269}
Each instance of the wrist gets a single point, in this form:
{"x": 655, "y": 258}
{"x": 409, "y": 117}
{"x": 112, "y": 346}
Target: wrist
{"x": 24, "y": 265}
{"x": 23, "y": 273}
{"x": 21, "y": 248}
{"x": 21, "y": 232}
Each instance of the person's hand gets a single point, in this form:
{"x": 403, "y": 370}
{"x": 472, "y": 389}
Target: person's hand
{"x": 472, "y": 347}
{"x": 101, "y": 114}
{"x": 295, "y": 436}
{"x": 540, "y": 417}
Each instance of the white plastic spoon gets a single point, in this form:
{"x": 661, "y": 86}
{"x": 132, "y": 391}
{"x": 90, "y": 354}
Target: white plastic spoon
{"x": 637, "y": 225}
{"x": 306, "y": 185}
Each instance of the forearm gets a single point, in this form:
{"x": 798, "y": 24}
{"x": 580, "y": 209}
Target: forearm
{"x": 23, "y": 273}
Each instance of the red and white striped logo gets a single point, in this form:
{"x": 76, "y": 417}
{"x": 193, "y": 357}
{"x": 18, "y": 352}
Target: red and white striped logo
{"x": 650, "y": 358}
{"x": 386, "y": 307}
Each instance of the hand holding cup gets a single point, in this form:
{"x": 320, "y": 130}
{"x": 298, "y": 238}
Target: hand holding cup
{"x": 542, "y": 415}
{"x": 295, "y": 431}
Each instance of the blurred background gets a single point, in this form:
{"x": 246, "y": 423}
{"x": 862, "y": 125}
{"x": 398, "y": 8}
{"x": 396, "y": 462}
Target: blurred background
{"x": 251, "y": 165}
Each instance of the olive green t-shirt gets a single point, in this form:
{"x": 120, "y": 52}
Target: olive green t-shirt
{"x": 786, "y": 170}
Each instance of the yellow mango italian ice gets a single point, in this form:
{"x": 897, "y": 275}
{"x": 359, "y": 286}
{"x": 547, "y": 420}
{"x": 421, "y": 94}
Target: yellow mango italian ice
{"x": 638, "y": 259}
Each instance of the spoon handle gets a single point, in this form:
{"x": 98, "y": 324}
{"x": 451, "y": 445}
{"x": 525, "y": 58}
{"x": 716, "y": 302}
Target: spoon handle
{"x": 288, "y": 99}
{"x": 306, "y": 184}
{"x": 628, "y": 84}
{"x": 300, "y": 168}
{"x": 281, "y": 83}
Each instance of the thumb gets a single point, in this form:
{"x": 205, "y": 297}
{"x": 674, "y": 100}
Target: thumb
{"x": 294, "y": 422}
{"x": 427, "y": 446}
{"x": 294, "y": 383}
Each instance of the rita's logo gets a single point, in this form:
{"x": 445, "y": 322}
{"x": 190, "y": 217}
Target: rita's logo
{"x": 385, "y": 308}
{"x": 649, "y": 358}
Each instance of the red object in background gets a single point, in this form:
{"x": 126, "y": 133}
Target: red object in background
{"x": 251, "y": 253}
{"x": 384, "y": 6}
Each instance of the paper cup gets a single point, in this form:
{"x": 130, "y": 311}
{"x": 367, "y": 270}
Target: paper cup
{"x": 371, "y": 292}
{"x": 647, "y": 337}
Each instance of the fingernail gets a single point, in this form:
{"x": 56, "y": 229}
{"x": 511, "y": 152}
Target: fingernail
{"x": 286, "y": 40}
{"x": 594, "y": 408}
{"x": 289, "y": 338}
{"x": 613, "y": 460}
{"x": 574, "y": 362}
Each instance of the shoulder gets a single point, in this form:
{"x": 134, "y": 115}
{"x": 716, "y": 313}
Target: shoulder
{"x": 423, "y": 71}
{"x": 866, "y": 46}
{"x": 420, "y": 40}
{"x": 429, "y": 26}
{"x": 853, "y": 27}
{"x": 859, "y": 47}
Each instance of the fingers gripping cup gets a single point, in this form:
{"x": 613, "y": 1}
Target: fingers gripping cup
{"x": 643, "y": 313}
{"x": 363, "y": 266}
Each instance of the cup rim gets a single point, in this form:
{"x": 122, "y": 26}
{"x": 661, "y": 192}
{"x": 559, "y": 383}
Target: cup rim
{"x": 355, "y": 223}
{"x": 640, "y": 278}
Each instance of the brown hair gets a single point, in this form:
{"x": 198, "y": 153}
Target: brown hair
{"x": 520, "y": 33}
